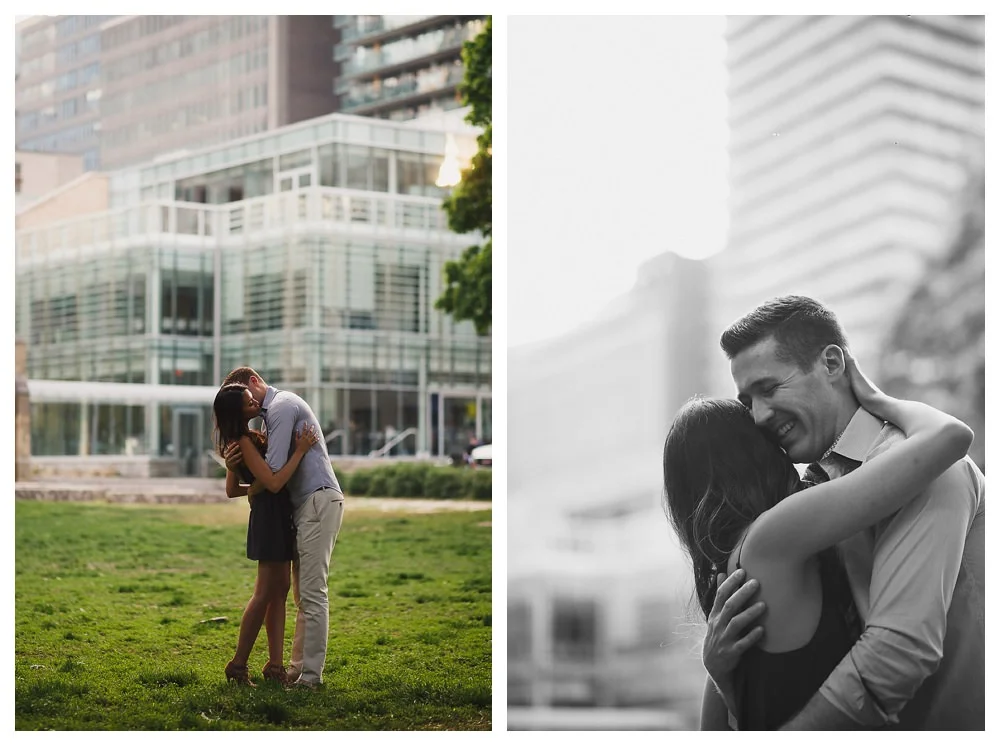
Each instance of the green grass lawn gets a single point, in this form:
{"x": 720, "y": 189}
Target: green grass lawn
{"x": 109, "y": 631}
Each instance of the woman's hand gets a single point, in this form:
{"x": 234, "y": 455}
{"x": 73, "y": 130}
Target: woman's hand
{"x": 306, "y": 439}
{"x": 870, "y": 397}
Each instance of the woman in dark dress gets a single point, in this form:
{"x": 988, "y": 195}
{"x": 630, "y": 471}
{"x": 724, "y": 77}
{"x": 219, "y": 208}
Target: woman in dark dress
{"x": 270, "y": 532}
{"x": 737, "y": 502}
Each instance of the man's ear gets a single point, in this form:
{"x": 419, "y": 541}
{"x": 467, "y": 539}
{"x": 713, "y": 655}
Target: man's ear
{"x": 834, "y": 362}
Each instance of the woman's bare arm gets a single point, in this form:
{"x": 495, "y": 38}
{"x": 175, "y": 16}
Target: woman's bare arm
{"x": 233, "y": 486}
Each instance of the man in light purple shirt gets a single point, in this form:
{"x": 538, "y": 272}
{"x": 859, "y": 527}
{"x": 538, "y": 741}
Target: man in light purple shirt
{"x": 917, "y": 578}
{"x": 318, "y": 510}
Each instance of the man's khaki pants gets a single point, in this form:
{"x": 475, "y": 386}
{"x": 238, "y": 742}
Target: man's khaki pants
{"x": 317, "y": 523}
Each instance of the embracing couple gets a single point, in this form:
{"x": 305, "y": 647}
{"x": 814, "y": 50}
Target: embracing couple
{"x": 296, "y": 509}
{"x": 851, "y": 597}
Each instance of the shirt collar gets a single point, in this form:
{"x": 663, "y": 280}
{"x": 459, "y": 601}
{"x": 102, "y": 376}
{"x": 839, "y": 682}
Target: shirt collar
{"x": 859, "y": 435}
{"x": 268, "y": 398}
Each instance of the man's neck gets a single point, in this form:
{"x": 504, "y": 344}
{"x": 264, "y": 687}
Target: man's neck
{"x": 844, "y": 416}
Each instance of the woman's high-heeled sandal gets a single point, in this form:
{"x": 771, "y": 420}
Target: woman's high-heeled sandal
{"x": 239, "y": 674}
{"x": 275, "y": 672}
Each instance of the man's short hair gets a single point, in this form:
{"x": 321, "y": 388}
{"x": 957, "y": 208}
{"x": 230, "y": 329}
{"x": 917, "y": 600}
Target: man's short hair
{"x": 801, "y": 327}
{"x": 241, "y": 375}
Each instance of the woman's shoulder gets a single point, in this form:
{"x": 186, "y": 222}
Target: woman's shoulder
{"x": 759, "y": 553}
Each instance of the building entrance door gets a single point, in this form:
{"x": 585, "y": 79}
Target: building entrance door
{"x": 188, "y": 436}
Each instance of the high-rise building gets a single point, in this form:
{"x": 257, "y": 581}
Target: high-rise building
{"x": 401, "y": 67}
{"x": 313, "y": 253}
{"x": 851, "y": 139}
{"x": 123, "y": 89}
{"x": 58, "y": 85}
{"x": 181, "y": 82}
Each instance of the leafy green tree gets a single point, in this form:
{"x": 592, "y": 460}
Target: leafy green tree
{"x": 468, "y": 292}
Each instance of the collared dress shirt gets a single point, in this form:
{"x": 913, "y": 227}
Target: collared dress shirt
{"x": 917, "y": 579}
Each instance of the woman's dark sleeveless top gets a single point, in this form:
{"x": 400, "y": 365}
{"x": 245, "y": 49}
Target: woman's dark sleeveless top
{"x": 772, "y": 687}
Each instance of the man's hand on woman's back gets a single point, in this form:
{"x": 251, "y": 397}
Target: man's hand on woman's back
{"x": 726, "y": 639}
{"x": 233, "y": 456}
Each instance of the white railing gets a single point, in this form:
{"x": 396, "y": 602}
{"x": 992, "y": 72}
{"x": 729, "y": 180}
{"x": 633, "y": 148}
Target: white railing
{"x": 393, "y": 442}
{"x": 317, "y": 204}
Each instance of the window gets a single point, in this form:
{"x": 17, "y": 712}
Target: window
{"x": 574, "y": 630}
{"x": 67, "y": 108}
{"x": 518, "y": 631}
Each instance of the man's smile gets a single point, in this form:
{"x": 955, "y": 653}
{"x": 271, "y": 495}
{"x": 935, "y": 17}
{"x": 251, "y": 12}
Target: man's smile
{"x": 783, "y": 431}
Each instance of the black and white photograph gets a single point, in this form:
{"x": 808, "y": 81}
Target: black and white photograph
{"x": 746, "y": 372}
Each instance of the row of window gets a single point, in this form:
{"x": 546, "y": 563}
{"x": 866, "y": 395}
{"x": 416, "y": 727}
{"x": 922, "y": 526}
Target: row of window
{"x": 400, "y": 114}
{"x": 66, "y": 81}
{"x": 185, "y": 117}
{"x": 339, "y": 165}
{"x": 42, "y": 64}
{"x": 433, "y": 78}
{"x": 175, "y": 86}
{"x": 411, "y": 48}
{"x": 46, "y": 32}
{"x": 80, "y": 77}
{"x": 129, "y": 31}
{"x": 221, "y": 32}
{"x": 86, "y": 103}
{"x": 357, "y": 420}
{"x": 62, "y": 141}
{"x": 69, "y": 25}
{"x": 85, "y": 47}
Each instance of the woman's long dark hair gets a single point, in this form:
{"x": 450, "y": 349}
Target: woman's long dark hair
{"x": 719, "y": 473}
{"x": 230, "y": 424}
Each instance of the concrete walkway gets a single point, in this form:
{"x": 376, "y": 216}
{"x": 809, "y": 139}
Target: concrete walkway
{"x": 165, "y": 491}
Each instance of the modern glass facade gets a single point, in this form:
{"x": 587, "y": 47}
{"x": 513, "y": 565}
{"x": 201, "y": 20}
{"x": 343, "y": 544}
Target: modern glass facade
{"x": 313, "y": 254}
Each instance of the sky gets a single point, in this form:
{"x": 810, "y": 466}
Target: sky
{"x": 616, "y": 153}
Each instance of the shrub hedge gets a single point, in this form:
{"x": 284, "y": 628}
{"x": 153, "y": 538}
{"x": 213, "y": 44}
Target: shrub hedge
{"x": 415, "y": 480}
{"x": 419, "y": 480}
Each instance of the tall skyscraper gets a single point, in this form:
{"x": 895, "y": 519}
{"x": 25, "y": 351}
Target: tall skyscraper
{"x": 852, "y": 138}
{"x": 400, "y": 67}
{"x": 123, "y": 89}
{"x": 181, "y": 82}
{"x": 58, "y": 86}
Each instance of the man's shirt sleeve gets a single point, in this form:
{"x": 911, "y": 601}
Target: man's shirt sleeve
{"x": 281, "y": 416}
{"x": 918, "y": 554}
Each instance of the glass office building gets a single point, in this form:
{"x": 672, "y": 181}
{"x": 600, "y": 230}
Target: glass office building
{"x": 313, "y": 253}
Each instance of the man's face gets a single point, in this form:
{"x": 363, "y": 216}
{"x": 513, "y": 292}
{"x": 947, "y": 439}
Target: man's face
{"x": 251, "y": 407}
{"x": 798, "y": 409}
{"x": 257, "y": 388}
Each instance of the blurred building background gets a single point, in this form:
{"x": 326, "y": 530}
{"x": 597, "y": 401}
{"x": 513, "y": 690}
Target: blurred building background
{"x": 856, "y": 177}
{"x": 120, "y": 90}
{"x": 852, "y": 139}
{"x": 311, "y": 250}
{"x": 596, "y": 587}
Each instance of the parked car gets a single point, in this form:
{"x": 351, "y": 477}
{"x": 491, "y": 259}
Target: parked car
{"x": 482, "y": 456}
